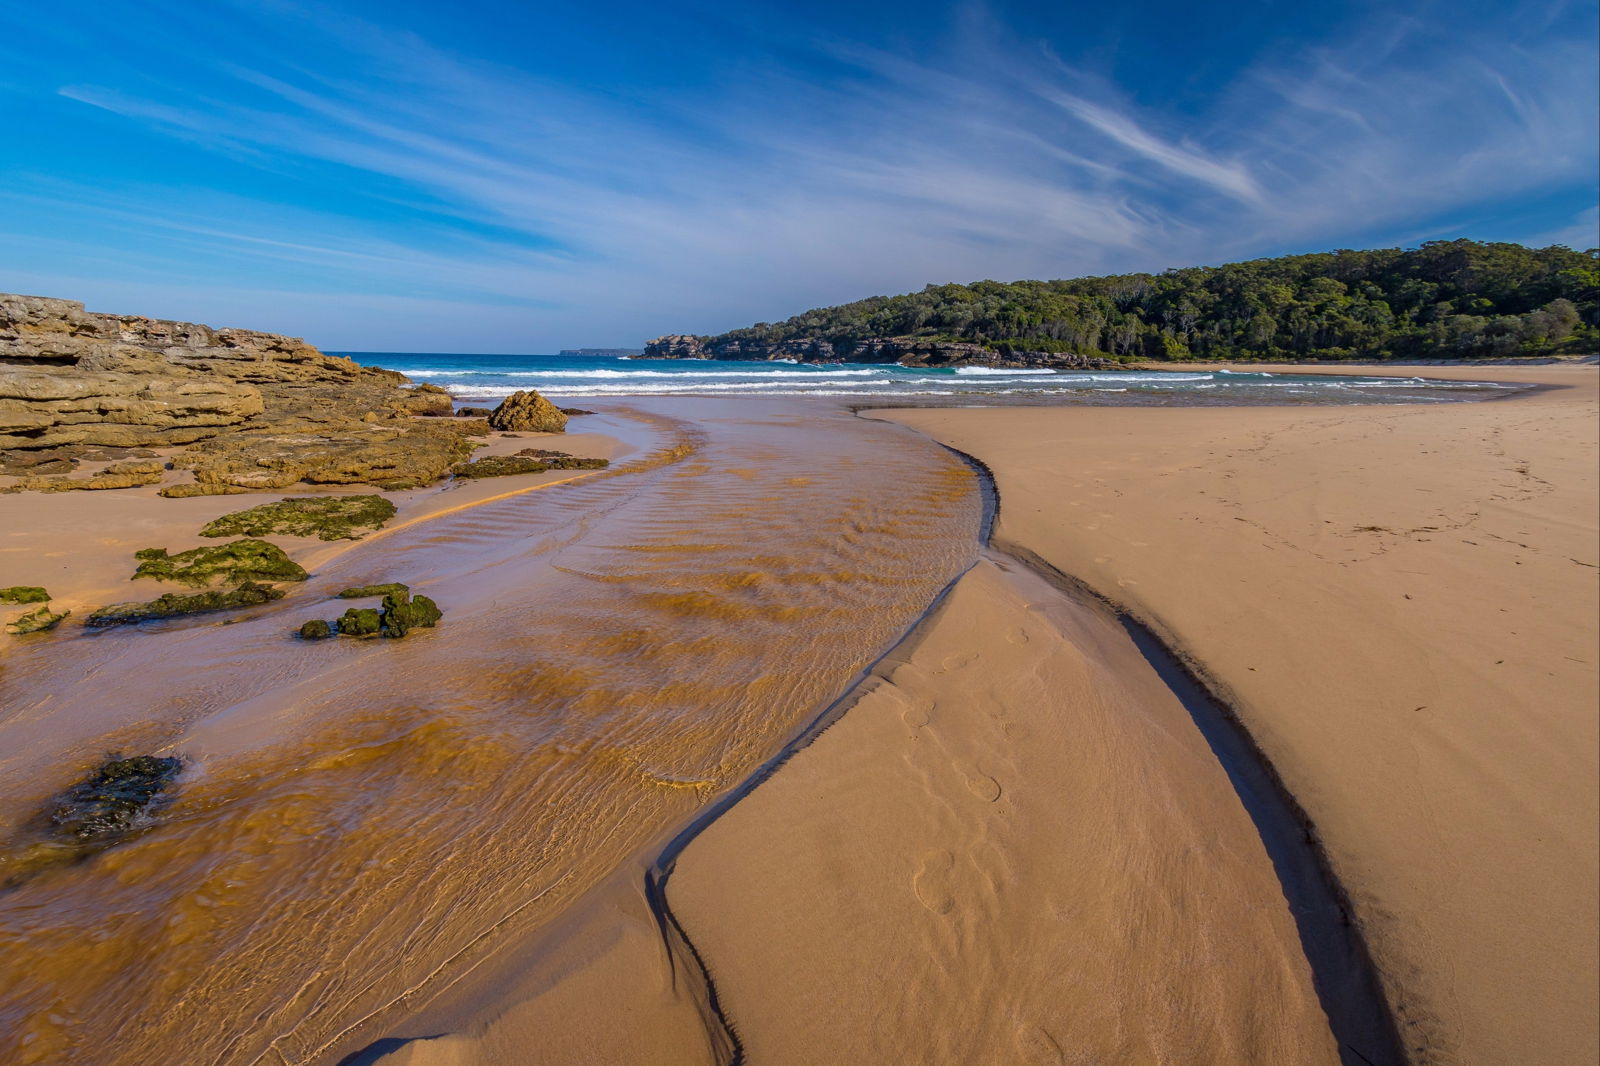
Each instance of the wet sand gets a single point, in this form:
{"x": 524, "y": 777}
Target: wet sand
{"x": 364, "y": 825}
{"x": 1400, "y": 603}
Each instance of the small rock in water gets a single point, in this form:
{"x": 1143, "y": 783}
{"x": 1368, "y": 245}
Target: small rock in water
{"x": 403, "y": 613}
{"x": 361, "y": 592}
{"x": 360, "y": 622}
{"x": 105, "y": 806}
{"x": 24, "y": 594}
{"x": 174, "y": 604}
{"x": 38, "y": 620}
{"x": 316, "y": 629}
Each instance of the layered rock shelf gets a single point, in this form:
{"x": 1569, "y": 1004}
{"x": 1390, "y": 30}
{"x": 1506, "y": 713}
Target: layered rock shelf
{"x": 905, "y": 351}
{"x": 255, "y": 410}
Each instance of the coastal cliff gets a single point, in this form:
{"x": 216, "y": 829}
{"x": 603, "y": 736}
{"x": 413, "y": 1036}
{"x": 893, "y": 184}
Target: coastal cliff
{"x": 256, "y": 410}
{"x": 906, "y": 351}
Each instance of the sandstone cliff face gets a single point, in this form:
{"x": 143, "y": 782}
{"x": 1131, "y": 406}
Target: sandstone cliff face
{"x": 258, "y": 408}
{"x": 906, "y": 351}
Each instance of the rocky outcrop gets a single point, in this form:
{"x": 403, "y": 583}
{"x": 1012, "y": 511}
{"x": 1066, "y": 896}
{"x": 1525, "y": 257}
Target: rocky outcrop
{"x": 116, "y": 476}
{"x": 528, "y": 412}
{"x": 676, "y": 346}
{"x": 906, "y": 351}
{"x": 260, "y": 410}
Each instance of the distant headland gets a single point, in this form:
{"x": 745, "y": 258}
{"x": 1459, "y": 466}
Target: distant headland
{"x": 1445, "y": 300}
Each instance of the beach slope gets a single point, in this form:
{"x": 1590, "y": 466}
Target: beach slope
{"x": 1401, "y": 603}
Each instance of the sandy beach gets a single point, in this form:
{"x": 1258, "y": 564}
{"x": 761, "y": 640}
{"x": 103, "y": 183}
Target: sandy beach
{"x": 1007, "y": 842}
{"x": 1400, "y": 603}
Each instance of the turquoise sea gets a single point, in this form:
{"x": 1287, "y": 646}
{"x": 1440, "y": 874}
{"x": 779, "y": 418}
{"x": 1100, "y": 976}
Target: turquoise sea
{"x": 479, "y": 378}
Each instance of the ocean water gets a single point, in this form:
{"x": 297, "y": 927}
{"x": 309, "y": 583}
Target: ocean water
{"x": 477, "y": 378}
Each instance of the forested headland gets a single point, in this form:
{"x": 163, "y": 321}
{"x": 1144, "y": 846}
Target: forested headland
{"x": 1457, "y": 299}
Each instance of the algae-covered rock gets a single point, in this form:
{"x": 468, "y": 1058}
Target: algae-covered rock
{"x": 403, "y": 613}
{"x": 564, "y": 460}
{"x": 528, "y": 412}
{"x": 360, "y": 622}
{"x": 175, "y": 604}
{"x": 107, "y": 805}
{"x": 248, "y": 559}
{"x": 474, "y": 412}
{"x": 38, "y": 620}
{"x": 316, "y": 629}
{"x": 24, "y": 594}
{"x": 503, "y": 465}
{"x": 361, "y": 592}
{"x": 500, "y": 466}
{"x": 325, "y": 517}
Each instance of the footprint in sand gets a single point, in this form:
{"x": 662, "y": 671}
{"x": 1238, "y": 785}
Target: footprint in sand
{"x": 1018, "y": 636}
{"x": 916, "y": 713}
{"x": 982, "y": 785}
{"x": 932, "y": 882}
{"x": 1038, "y": 1046}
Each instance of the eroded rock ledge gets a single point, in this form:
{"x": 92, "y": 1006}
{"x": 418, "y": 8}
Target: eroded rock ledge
{"x": 257, "y": 410}
{"x": 906, "y": 351}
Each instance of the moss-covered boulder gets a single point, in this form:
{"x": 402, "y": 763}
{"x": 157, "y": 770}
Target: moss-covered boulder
{"x": 403, "y": 613}
{"x": 176, "y": 604}
{"x": 248, "y": 559}
{"x": 24, "y": 594}
{"x": 325, "y": 517}
{"x": 38, "y": 620}
{"x": 360, "y": 622}
{"x": 110, "y": 802}
{"x": 316, "y": 629}
{"x": 361, "y": 592}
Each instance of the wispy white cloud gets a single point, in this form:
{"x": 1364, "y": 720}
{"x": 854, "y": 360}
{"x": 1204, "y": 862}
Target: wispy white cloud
{"x": 610, "y": 217}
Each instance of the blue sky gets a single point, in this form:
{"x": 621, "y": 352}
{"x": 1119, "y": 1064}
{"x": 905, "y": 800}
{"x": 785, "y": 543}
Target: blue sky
{"x": 494, "y": 177}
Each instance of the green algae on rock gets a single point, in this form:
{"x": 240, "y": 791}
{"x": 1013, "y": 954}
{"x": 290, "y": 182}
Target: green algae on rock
{"x": 316, "y": 629}
{"x": 403, "y": 612}
{"x": 361, "y": 592}
{"x": 247, "y": 559}
{"x": 359, "y": 622}
{"x": 325, "y": 517}
{"x": 176, "y": 604}
{"x": 107, "y": 805}
{"x": 24, "y": 594}
{"x": 38, "y": 620}
{"x": 503, "y": 465}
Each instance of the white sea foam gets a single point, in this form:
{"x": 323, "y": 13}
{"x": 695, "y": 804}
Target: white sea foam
{"x": 970, "y": 371}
